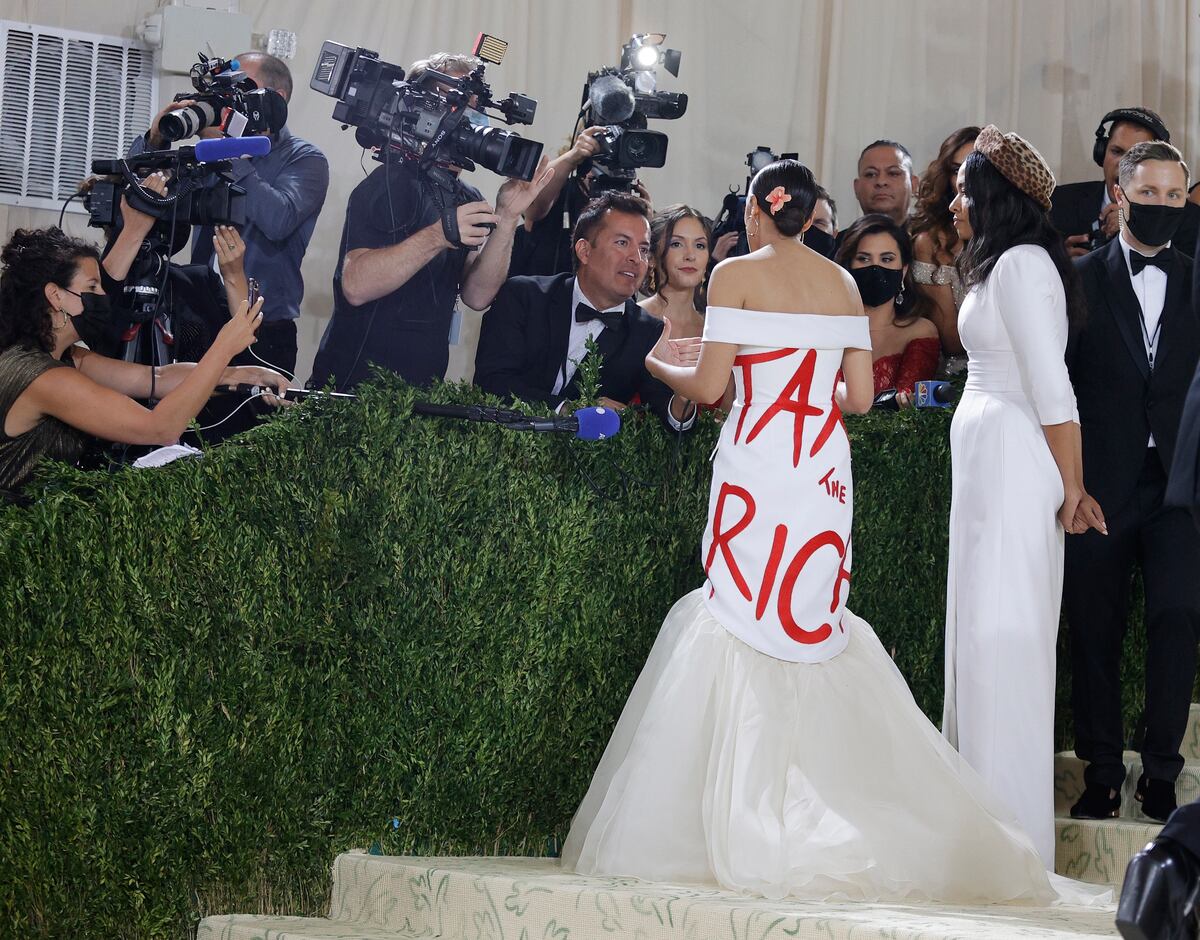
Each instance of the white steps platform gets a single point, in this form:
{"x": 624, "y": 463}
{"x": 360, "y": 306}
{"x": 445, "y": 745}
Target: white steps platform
{"x": 396, "y": 898}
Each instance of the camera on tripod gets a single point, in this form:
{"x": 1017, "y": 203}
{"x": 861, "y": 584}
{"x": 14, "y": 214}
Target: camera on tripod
{"x": 428, "y": 121}
{"x": 622, "y": 100}
{"x": 225, "y": 98}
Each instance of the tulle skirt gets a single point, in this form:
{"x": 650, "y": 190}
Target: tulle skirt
{"x": 820, "y": 781}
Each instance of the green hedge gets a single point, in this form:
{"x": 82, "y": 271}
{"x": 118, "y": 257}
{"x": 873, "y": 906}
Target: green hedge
{"x": 215, "y": 676}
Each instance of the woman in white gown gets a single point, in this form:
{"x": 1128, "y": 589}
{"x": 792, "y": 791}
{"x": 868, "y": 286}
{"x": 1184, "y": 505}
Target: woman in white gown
{"x": 1017, "y": 480}
{"x": 770, "y": 745}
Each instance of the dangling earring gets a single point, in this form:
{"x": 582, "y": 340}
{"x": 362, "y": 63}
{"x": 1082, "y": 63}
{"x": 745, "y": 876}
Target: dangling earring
{"x": 900, "y": 298}
{"x": 62, "y": 313}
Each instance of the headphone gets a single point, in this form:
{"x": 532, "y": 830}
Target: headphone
{"x": 1140, "y": 116}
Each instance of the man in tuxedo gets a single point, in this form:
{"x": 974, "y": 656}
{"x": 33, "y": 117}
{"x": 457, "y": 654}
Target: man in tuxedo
{"x": 1131, "y": 363}
{"x": 1085, "y": 212}
{"x": 535, "y": 335}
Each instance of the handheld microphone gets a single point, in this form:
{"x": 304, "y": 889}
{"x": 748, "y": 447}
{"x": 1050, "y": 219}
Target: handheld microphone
{"x": 933, "y": 394}
{"x": 595, "y": 424}
{"x": 231, "y": 148}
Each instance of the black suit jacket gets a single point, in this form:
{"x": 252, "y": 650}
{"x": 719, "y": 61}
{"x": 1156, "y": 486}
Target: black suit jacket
{"x": 1183, "y": 489}
{"x": 1121, "y": 401}
{"x": 1075, "y": 206}
{"x": 523, "y": 346}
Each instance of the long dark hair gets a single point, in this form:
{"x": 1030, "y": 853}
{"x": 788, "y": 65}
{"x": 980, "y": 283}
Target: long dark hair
{"x": 1002, "y": 217}
{"x": 662, "y": 228}
{"x": 932, "y": 213}
{"x": 876, "y": 223}
{"x": 32, "y": 259}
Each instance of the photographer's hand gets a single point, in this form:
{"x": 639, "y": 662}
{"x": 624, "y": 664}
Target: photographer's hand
{"x": 1110, "y": 220}
{"x": 154, "y": 137}
{"x": 723, "y": 245}
{"x": 584, "y": 148}
{"x": 473, "y": 221}
{"x": 516, "y": 195}
{"x": 135, "y": 226}
{"x": 230, "y": 250}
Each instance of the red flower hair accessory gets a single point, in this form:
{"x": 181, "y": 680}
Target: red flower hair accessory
{"x": 777, "y": 197}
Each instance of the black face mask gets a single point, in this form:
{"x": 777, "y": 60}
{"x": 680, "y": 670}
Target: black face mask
{"x": 1153, "y": 225}
{"x": 819, "y": 241}
{"x": 95, "y": 324}
{"x": 876, "y": 284}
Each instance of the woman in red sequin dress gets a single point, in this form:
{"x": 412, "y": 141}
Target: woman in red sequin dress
{"x": 905, "y": 344}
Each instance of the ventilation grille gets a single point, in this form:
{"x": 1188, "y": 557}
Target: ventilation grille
{"x": 66, "y": 98}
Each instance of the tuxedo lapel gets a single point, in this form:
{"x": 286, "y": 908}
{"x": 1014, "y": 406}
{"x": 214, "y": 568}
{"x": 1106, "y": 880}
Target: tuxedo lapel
{"x": 1174, "y": 308}
{"x": 558, "y": 327}
{"x": 1123, "y": 304}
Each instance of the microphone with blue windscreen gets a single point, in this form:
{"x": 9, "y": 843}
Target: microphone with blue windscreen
{"x": 231, "y": 148}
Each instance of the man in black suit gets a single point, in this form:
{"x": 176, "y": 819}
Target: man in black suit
{"x": 535, "y": 335}
{"x": 1086, "y": 213}
{"x": 1131, "y": 363}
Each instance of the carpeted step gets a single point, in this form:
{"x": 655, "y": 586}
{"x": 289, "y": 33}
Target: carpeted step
{"x": 1099, "y": 850}
{"x": 471, "y": 898}
{"x": 1068, "y": 784}
{"x": 264, "y": 927}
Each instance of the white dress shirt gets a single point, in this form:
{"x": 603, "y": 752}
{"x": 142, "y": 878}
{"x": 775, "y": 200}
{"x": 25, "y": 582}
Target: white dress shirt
{"x": 577, "y": 340}
{"x": 1150, "y": 288}
{"x": 578, "y": 337}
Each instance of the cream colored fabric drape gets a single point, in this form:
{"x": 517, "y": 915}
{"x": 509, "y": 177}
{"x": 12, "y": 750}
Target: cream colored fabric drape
{"x": 821, "y": 77}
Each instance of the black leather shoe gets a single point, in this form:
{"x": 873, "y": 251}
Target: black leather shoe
{"x": 1097, "y": 804}
{"x": 1156, "y": 796}
{"x": 1158, "y": 899}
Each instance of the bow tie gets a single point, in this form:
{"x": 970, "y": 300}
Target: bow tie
{"x": 1137, "y": 261}
{"x": 610, "y": 318}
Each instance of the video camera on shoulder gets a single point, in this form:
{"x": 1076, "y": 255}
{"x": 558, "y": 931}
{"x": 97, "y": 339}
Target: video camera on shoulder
{"x": 428, "y": 121}
{"x": 225, "y": 98}
{"x": 622, "y": 100}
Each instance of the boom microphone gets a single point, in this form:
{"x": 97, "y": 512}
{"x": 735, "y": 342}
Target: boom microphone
{"x": 612, "y": 101}
{"x": 588, "y": 424}
{"x": 231, "y": 148}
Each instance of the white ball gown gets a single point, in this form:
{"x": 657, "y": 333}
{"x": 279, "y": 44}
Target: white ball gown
{"x": 770, "y": 745}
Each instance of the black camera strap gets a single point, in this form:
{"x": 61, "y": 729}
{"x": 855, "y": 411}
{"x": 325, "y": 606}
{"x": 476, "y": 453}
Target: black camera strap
{"x": 441, "y": 185}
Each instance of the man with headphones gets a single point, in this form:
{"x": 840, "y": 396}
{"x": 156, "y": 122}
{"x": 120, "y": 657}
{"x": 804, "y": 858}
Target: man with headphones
{"x": 1086, "y": 213}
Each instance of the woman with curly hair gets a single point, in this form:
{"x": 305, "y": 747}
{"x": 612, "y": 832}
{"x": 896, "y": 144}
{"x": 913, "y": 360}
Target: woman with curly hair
{"x": 54, "y": 394}
{"x": 936, "y": 244}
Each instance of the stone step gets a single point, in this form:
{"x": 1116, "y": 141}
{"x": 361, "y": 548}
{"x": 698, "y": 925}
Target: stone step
{"x": 1098, "y": 850}
{"x": 1068, "y": 784}
{"x": 472, "y": 898}
{"x": 1191, "y": 740}
{"x": 265, "y": 927}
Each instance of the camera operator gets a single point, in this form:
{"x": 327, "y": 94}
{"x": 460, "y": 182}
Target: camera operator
{"x": 195, "y": 299}
{"x": 399, "y": 275}
{"x": 285, "y": 190}
{"x": 49, "y": 292}
{"x": 543, "y": 243}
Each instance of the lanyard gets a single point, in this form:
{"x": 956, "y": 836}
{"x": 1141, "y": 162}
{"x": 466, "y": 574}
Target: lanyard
{"x": 1150, "y": 339}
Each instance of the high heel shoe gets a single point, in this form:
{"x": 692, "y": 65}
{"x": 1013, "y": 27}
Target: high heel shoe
{"x": 1160, "y": 894}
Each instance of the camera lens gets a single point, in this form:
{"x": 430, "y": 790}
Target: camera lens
{"x": 187, "y": 122}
